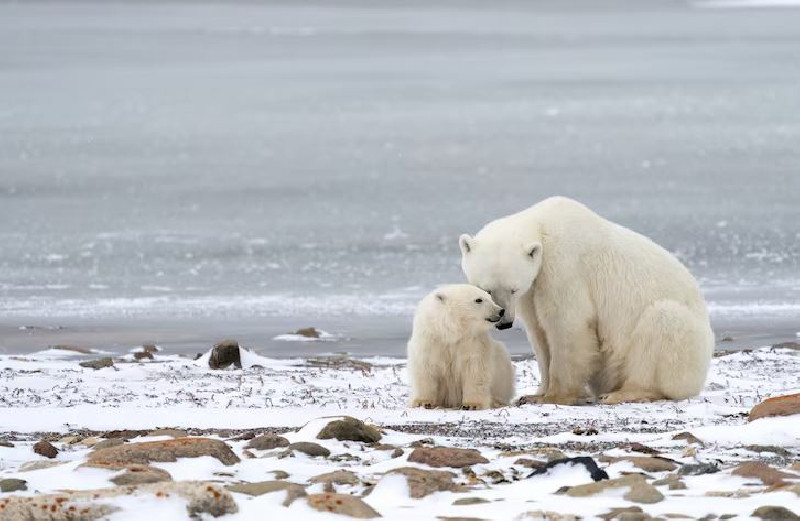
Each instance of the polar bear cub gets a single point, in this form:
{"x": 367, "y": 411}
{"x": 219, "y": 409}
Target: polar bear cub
{"x": 452, "y": 359}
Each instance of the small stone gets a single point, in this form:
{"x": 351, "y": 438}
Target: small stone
{"x": 397, "y": 453}
{"x": 268, "y": 442}
{"x": 590, "y": 489}
{"x": 423, "y": 482}
{"x": 141, "y": 474}
{"x": 775, "y": 513}
{"x": 672, "y": 481}
{"x": 143, "y": 355}
{"x": 279, "y": 474}
{"x": 224, "y": 354}
{"x": 30, "y": 466}
{"x": 124, "y": 434}
{"x": 150, "y": 348}
{"x": 529, "y": 463}
{"x": 689, "y": 437}
{"x": 110, "y": 442}
{"x": 697, "y": 469}
{"x": 100, "y": 363}
{"x": 446, "y": 457}
{"x": 293, "y": 490}
{"x": 350, "y": 429}
{"x": 647, "y": 464}
{"x": 762, "y": 471}
{"x": 424, "y": 442}
{"x": 643, "y": 493}
{"x": 342, "y": 504}
{"x": 464, "y": 501}
{"x": 638, "y": 447}
{"x": 173, "y": 433}
{"x": 310, "y": 448}
{"x": 620, "y": 513}
{"x": 7, "y": 444}
{"x": 13, "y": 485}
{"x": 339, "y": 477}
{"x": 795, "y": 466}
{"x": 777, "y": 406}
{"x": 46, "y": 449}
{"x": 780, "y": 451}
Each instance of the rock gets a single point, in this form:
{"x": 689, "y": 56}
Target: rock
{"x": 100, "y": 363}
{"x": 795, "y": 466}
{"x": 293, "y": 490}
{"x": 224, "y": 354}
{"x": 622, "y": 513}
{"x": 88, "y": 505}
{"x": 689, "y": 437}
{"x": 279, "y": 474}
{"x": 638, "y": 447}
{"x": 780, "y": 451}
{"x": 339, "y": 477}
{"x": 308, "y": 332}
{"x": 647, "y": 464}
{"x": 307, "y": 447}
{"x": 397, "y": 453}
{"x": 125, "y": 434}
{"x": 541, "y": 515}
{"x": 596, "y": 473}
{"x": 13, "y": 485}
{"x": 697, "y": 469}
{"x": 787, "y": 345}
{"x": 7, "y": 444}
{"x": 341, "y": 504}
{"x": 150, "y": 348}
{"x": 590, "y": 489}
{"x": 775, "y": 513}
{"x": 174, "y": 433}
{"x": 143, "y": 355}
{"x": 762, "y": 471}
{"x": 643, "y": 493}
{"x": 140, "y": 475}
{"x": 529, "y": 463}
{"x": 495, "y": 477}
{"x": 166, "y": 451}
{"x": 777, "y": 406}
{"x": 46, "y": 449}
{"x": 30, "y": 466}
{"x": 111, "y": 442}
{"x": 446, "y": 457}
{"x": 673, "y": 482}
{"x": 470, "y": 501}
{"x": 75, "y": 349}
{"x": 268, "y": 442}
{"x": 423, "y": 482}
{"x": 350, "y": 429}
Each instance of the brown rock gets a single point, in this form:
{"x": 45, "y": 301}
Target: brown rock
{"x": 75, "y": 349}
{"x": 308, "y": 332}
{"x": 110, "y": 442}
{"x": 350, "y": 429}
{"x": 224, "y": 354}
{"x": 310, "y": 448}
{"x": 397, "y": 453}
{"x": 464, "y": 501}
{"x": 647, "y": 464}
{"x": 293, "y": 490}
{"x": 775, "y": 513}
{"x": 342, "y": 504}
{"x": 143, "y": 355}
{"x": 423, "y": 482}
{"x": 167, "y": 450}
{"x": 124, "y": 434}
{"x": 268, "y": 442}
{"x": 643, "y": 493}
{"x": 6, "y": 444}
{"x": 621, "y": 513}
{"x": 446, "y": 457}
{"x": 140, "y": 475}
{"x": 150, "y": 348}
{"x": 638, "y": 447}
{"x": 530, "y": 463}
{"x": 762, "y": 471}
{"x": 796, "y": 466}
{"x": 174, "y": 433}
{"x": 777, "y": 406}
{"x": 30, "y": 466}
{"x": 13, "y": 485}
{"x": 590, "y": 489}
{"x": 689, "y": 437}
{"x": 46, "y": 449}
{"x": 339, "y": 477}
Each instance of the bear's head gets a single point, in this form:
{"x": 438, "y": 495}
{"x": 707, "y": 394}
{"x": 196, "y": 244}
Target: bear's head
{"x": 451, "y": 312}
{"x": 504, "y": 267}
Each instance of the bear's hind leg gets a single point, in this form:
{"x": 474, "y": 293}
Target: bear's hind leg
{"x": 668, "y": 356}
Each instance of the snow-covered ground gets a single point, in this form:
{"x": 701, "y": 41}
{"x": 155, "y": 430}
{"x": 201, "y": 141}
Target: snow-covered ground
{"x": 48, "y": 394}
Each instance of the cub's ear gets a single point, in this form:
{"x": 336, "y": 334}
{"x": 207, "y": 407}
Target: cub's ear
{"x": 534, "y": 250}
{"x": 465, "y": 242}
{"x": 440, "y": 297}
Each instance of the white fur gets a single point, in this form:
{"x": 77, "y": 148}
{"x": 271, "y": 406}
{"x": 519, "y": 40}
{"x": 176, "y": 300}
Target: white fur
{"x": 452, "y": 359}
{"x": 606, "y": 309}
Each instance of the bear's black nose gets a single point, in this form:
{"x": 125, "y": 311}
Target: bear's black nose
{"x": 502, "y": 312}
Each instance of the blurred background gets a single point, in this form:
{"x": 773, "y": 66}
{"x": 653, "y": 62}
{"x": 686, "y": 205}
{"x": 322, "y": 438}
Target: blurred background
{"x": 179, "y": 171}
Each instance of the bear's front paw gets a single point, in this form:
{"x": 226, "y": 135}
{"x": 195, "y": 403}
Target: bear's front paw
{"x": 428, "y": 404}
{"x": 548, "y": 398}
{"x": 474, "y": 406}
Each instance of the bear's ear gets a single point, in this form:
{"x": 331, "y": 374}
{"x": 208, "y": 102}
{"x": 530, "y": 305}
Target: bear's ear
{"x": 534, "y": 250}
{"x": 465, "y": 242}
{"x": 440, "y": 297}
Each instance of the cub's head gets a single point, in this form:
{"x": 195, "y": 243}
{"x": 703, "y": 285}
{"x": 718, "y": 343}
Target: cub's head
{"x": 504, "y": 268}
{"x": 455, "y": 310}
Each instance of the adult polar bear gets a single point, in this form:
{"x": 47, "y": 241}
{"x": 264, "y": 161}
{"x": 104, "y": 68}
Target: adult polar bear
{"x": 604, "y": 307}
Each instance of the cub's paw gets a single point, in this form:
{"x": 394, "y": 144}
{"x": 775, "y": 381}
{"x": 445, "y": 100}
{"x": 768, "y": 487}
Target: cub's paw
{"x": 428, "y": 404}
{"x": 551, "y": 399}
{"x": 474, "y": 406}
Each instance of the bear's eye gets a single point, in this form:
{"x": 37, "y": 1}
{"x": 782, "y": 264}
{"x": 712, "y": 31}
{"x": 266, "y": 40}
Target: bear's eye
{"x": 478, "y": 300}
{"x": 513, "y": 291}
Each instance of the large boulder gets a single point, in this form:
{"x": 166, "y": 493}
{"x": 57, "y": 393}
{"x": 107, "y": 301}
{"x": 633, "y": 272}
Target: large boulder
{"x": 225, "y": 354}
{"x": 168, "y": 450}
{"x": 777, "y": 406}
{"x": 268, "y": 442}
{"x": 446, "y": 457}
{"x": 349, "y": 429}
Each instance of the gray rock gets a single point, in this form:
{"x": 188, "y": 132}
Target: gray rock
{"x": 339, "y": 477}
{"x": 697, "y": 469}
{"x": 13, "y": 485}
{"x": 225, "y": 354}
{"x": 307, "y": 447}
{"x": 775, "y": 513}
{"x": 464, "y": 501}
{"x": 293, "y": 490}
{"x": 268, "y": 442}
{"x": 423, "y": 482}
{"x": 446, "y": 457}
{"x": 165, "y": 451}
{"x": 100, "y": 363}
{"x": 342, "y": 504}
{"x": 350, "y": 429}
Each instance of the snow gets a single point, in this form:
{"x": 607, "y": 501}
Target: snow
{"x": 41, "y": 393}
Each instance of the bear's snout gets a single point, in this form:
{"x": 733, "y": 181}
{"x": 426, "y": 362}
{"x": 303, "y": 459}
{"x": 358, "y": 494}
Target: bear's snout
{"x": 504, "y": 325}
{"x": 501, "y": 312}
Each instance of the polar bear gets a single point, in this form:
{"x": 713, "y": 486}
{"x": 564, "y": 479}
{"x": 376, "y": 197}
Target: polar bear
{"x": 452, "y": 359}
{"x": 605, "y": 308}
